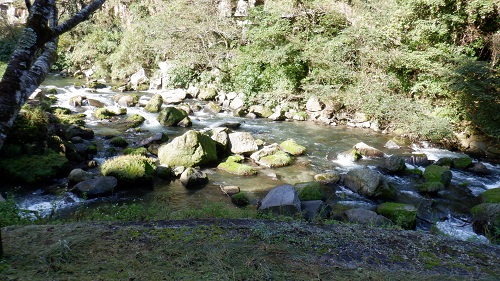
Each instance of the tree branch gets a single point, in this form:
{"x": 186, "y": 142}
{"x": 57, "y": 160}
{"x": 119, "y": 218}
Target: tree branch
{"x": 78, "y": 18}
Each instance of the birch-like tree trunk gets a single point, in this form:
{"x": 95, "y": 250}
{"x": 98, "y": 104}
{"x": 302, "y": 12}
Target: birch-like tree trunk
{"x": 36, "y": 52}
{"x": 31, "y": 61}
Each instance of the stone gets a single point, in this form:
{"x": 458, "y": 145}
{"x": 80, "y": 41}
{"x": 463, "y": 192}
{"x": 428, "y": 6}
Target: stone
{"x": 309, "y": 191}
{"x": 444, "y": 161}
{"x": 479, "y": 168}
{"x": 240, "y": 199}
{"x": 291, "y": 147}
{"x": 208, "y": 93}
{"x": 367, "y": 150}
{"x": 271, "y": 156}
{"x": 432, "y": 187}
{"x": 418, "y": 159}
{"x": 138, "y": 78}
{"x": 394, "y": 164}
{"x": 237, "y": 103}
{"x": 392, "y": 145}
{"x": 95, "y": 103}
{"x": 328, "y": 178}
{"x": 193, "y": 178}
{"x": 242, "y": 143}
{"x": 313, "y": 104}
{"x": 315, "y": 209}
{"x": 79, "y": 175}
{"x": 230, "y": 189}
{"x": 154, "y": 104}
{"x": 367, "y": 217}
{"x": 260, "y": 110}
{"x": 438, "y": 174}
{"x": 171, "y": 116}
{"x": 237, "y": 168}
{"x": 403, "y": 215}
{"x": 462, "y": 162}
{"x": 79, "y": 131}
{"x": 191, "y": 149}
{"x": 185, "y": 123}
{"x": 281, "y": 200}
{"x": 278, "y": 115}
{"x": 118, "y": 142}
{"x": 491, "y": 195}
{"x": 175, "y": 96}
{"x": 486, "y": 219}
{"x": 134, "y": 120}
{"x": 130, "y": 169}
{"x": 100, "y": 186}
{"x": 126, "y": 100}
{"x": 157, "y": 138}
{"x": 77, "y": 101}
{"x": 213, "y": 108}
{"x": 369, "y": 183}
{"x": 221, "y": 137}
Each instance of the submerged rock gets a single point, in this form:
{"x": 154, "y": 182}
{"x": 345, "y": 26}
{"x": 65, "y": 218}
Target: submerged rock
{"x": 281, "y": 200}
{"x": 327, "y": 178}
{"x": 191, "y": 149}
{"x": 100, "y": 186}
{"x": 491, "y": 195}
{"x": 130, "y": 169}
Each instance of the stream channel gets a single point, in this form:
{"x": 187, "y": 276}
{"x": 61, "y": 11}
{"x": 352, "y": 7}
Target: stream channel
{"x": 447, "y": 211}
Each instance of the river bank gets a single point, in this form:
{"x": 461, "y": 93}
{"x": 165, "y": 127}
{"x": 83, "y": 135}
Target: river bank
{"x": 238, "y": 250}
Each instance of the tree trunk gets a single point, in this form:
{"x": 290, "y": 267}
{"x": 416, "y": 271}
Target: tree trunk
{"x": 32, "y": 59}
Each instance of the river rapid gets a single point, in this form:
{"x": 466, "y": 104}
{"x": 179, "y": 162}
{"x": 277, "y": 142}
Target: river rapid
{"x": 447, "y": 211}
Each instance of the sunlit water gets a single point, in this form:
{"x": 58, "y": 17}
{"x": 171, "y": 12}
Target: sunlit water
{"x": 324, "y": 144}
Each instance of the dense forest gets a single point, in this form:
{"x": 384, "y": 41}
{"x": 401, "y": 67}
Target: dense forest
{"x": 426, "y": 69}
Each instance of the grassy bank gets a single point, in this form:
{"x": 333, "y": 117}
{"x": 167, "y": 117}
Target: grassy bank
{"x": 238, "y": 250}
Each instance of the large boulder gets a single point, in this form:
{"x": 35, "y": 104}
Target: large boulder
{"x": 486, "y": 219}
{"x": 260, "y": 111}
{"x": 281, "y": 200}
{"x": 171, "y": 116}
{"x": 79, "y": 175}
{"x": 435, "y": 173}
{"x": 92, "y": 188}
{"x": 242, "y": 143}
{"x": 138, "y": 78}
{"x": 272, "y": 156}
{"x": 310, "y": 191}
{"x": 313, "y": 104}
{"x": 193, "y": 178}
{"x": 403, "y": 215}
{"x": 130, "y": 169}
{"x": 154, "y": 104}
{"x": 221, "y": 137}
{"x": 315, "y": 209}
{"x": 366, "y": 217}
{"x": 367, "y": 150}
{"x": 491, "y": 195}
{"x": 369, "y": 183}
{"x": 394, "y": 164}
{"x": 191, "y": 149}
{"x": 175, "y": 96}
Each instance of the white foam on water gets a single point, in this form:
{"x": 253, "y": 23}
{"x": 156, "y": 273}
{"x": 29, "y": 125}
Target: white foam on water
{"x": 40, "y": 206}
{"x": 458, "y": 229}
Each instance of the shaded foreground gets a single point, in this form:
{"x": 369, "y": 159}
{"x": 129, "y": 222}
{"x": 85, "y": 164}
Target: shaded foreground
{"x": 238, "y": 250}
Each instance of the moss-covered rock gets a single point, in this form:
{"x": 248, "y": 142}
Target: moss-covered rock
{"x": 444, "y": 161}
{"x": 394, "y": 164}
{"x": 404, "y": 215}
{"x": 135, "y": 151}
{"x": 35, "y": 168}
{"x": 235, "y": 158}
{"x": 193, "y": 178}
{"x": 290, "y": 146}
{"x": 130, "y": 169}
{"x": 171, "y": 116}
{"x": 430, "y": 187}
{"x": 135, "y": 120}
{"x": 237, "y": 168}
{"x": 486, "y": 220}
{"x": 209, "y": 93}
{"x": 240, "y": 199}
{"x": 278, "y": 159}
{"x": 438, "y": 174}
{"x": 191, "y": 149}
{"x": 118, "y": 142}
{"x": 103, "y": 113}
{"x": 309, "y": 191}
{"x": 369, "y": 183}
{"x": 330, "y": 177}
{"x": 491, "y": 195}
{"x": 462, "y": 162}
{"x": 154, "y": 104}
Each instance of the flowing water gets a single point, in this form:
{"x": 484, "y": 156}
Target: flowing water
{"x": 447, "y": 211}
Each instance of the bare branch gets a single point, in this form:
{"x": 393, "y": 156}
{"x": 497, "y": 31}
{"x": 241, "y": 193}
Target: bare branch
{"x": 78, "y": 18}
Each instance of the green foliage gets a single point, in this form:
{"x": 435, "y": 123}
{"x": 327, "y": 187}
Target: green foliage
{"x": 310, "y": 191}
{"x": 11, "y": 214}
{"x": 240, "y": 199}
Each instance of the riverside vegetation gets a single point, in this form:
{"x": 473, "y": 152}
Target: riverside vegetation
{"x": 428, "y": 73}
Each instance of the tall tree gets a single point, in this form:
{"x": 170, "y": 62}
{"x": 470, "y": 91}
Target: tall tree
{"x": 34, "y": 55}
{"x": 36, "y": 52}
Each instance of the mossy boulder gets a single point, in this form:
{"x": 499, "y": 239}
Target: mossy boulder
{"x": 35, "y": 168}
{"x": 237, "y": 168}
{"x": 444, "y": 161}
{"x": 290, "y": 146}
{"x": 135, "y": 151}
{"x": 171, "y": 116}
{"x": 103, "y": 113}
{"x": 369, "y": 183}
{"x": 403, "y": 215}
{"x": 163, "y": 172}
{"x": 154, "y": 104}
{"x": 118, "y": 142}
{"x": 240, "y": 199}
{"x": 135, "y": 120}
{"x": 486, "y": 220}
{"x": 193, "y": 178}
{"x": 208, "y": 93}
{"x": 235, "y": 158}
{"x": 491, "y": 195}
{"x": 191, "y": 149}
{"x": 438, "y": 174}
{"x": 309, "y": 191}
{"x": 394, "y": 164}
{"x": 462, "y": 162}
{"x": 330, "y": 177}
{"x": 431, "y": 187}
{"x": 130, "y": 169}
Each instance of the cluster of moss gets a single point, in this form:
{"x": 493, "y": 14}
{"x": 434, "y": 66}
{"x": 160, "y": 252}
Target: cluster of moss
{"x": 129, "y": 169}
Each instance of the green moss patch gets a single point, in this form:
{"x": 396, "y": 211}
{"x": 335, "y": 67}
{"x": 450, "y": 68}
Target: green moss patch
{"x": 240, "y": 199}
{"x": 279, "y": 159}
{"x": 290, "y": 146}
{"x": 491, "y": 195}
{"x": 434, "y": 173}
{"x": 462, "y": 162}
{"x": 130, "y": 168}
{"x": 430, "y": 187}
{"x": 237, "y": 168}
{"x": 135, "y": 120}
{"x": 119, "y": 142}
{"x": 35, "y": 168}
{"x": 310, "y": 191}
{"x": 404, "y": 215}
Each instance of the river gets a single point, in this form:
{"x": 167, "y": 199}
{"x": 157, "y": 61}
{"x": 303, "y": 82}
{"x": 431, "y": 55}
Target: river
{"x": 447, "y": 211}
